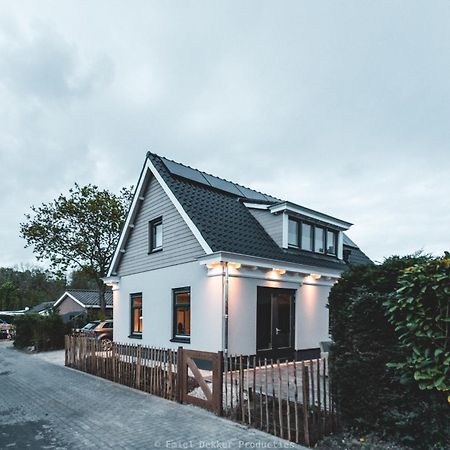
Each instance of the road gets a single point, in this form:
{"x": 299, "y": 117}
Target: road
{"x": 46, "y": 406}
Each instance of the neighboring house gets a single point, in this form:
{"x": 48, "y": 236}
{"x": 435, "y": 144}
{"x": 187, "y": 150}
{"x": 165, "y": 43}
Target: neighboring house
{"x": 44, "y": 309}
{"x": 79, "y": 302}
{"x": 210, "y": 265}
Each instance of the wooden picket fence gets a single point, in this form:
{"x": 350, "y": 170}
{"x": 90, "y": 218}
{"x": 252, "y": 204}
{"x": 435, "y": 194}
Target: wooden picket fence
{"x": 291, "y": 400}
{"x": 149, "y": 369}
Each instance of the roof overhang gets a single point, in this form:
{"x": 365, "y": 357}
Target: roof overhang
{"x": 310, "y": 213}
{"x": 238, "y": 260}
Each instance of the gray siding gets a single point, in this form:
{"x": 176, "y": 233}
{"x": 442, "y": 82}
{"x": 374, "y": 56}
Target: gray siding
{"x": 68, "y": 305}
{"x": 272, "y": 223}
{"x": 179, "y": 244}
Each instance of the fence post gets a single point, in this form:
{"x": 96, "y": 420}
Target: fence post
{"x": 180, "y": 375}
{"x": 219, "y": 397}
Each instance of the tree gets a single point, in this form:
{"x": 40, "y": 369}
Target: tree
{"x": 78, "y": 231}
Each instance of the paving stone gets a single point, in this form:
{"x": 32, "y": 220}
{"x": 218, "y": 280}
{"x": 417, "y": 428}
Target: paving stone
{"x": 45, "y": 406}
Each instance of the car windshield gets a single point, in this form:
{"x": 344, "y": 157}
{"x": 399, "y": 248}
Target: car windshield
{"x": 90, "y": 325}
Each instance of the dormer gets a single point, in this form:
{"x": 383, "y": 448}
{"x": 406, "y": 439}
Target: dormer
{"x": 301, "y": 229}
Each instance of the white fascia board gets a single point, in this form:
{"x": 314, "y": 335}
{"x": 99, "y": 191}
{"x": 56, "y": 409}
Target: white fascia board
{"x": 130, "y": 215}
{"x": 148, "y": 166}
{"x": 110, "y": 281}
{"x": 291, "y": 207}
{"x": 265, "y": 263}
{"x": 67, "y": 294}
{"x": 256, "y": 205}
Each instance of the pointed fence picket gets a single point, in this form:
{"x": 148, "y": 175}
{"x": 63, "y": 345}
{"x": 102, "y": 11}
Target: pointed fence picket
{"x": 289, "y": 399}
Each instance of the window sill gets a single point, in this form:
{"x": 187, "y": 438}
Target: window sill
{"x": 135, "y": 336}
{"x": 181, "y": 339}
{"x": 156, "y": 250}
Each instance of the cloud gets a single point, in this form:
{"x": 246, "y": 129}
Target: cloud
{"x": 340, "y": 107}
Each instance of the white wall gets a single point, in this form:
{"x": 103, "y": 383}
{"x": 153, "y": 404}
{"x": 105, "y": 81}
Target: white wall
{"x": 206, "y": 309}
{"x": 156, "y": 287}
{"x": 311, "y": 323}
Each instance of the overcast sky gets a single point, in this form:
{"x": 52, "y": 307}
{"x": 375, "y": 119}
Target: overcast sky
{"x": 343, "y": 107}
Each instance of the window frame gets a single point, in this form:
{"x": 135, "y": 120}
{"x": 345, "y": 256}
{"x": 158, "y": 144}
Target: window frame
{"x": 134, "y": 334}
{"x": 151, "y": 226}
{"x": 313, "y": 226}
{"x": 176, "y": 337}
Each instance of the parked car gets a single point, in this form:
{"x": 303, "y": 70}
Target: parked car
{"x": 103, "y": 332}
{"x": 6, "y": 330}
{"x": 89, "y": 327}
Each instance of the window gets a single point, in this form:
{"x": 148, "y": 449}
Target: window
{"x": 293, "y": 233}
{"x": 307, "y": 237}
{"x": 182, "y": 314}
{"x": 311, "y": 237}
{"x": 331, "y": 242}
{"x": 155, "y": 235}
{"x": 136, "y": 315}
{"x": 319, "y": 240}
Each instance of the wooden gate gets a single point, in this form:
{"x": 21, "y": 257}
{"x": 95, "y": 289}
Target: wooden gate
{"x": 200, "y": 376}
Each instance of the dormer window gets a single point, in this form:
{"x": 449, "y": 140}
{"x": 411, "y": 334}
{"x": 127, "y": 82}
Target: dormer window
{"x": 310, "y": 237}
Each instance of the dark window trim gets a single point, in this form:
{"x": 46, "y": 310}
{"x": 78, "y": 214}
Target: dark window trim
{"x": 314, "y": 225}
{"x": 133, "y": 334}
{"x": 152, "y": 223}
{"x": 175, "y": 338}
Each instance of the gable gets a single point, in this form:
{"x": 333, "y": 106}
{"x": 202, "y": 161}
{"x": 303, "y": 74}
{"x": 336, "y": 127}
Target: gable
{"x": 179, "y": 243}
{"x": 68, "y": 305}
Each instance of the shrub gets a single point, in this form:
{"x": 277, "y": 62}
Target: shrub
{"x": 420, "y": 312}
{"x": 42, "y": 332}
{"x": 371, "y": 395}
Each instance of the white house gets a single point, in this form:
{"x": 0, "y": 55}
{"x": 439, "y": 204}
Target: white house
{"x": 210, "y": 265}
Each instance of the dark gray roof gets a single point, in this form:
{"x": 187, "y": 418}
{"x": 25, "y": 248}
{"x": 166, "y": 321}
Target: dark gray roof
{"x": 90, "y": 297}
{"x": 41, "y": 307}
{"x": 225, "y": 222}
{"x": 355, "y": 257}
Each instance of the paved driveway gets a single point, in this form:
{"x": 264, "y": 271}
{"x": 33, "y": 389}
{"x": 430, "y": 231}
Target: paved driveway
{"x": 46, "y": 406}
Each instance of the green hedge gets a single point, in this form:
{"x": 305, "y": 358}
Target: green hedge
{"x": 41, "y": 332}
{"x": 372, "y": 396}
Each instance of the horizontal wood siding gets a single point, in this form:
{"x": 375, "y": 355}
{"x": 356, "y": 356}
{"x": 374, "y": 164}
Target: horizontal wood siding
{"x": 272, "y": 223}
{"x": 179, "y": 244}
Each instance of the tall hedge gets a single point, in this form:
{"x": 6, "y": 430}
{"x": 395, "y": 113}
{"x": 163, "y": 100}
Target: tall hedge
{"x": 40, "y": 332}
{"x": 372, "y": 396}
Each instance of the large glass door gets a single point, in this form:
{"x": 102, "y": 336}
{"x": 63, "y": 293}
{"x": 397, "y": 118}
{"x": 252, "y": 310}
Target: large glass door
{"x": 275, "y": 321}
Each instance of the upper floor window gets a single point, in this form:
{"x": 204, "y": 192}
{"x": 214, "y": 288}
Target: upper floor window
{"x": 313, "y": 238}
{"x": 331, "y": 242}
{"x": 155, "y": 232}
{"x": 307, "y": 237}
{"x": 293, "y": 233}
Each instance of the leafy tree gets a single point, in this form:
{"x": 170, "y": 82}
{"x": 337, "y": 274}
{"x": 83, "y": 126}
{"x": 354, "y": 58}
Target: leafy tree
{"x": 78, "y": 231}
{"x": 27, "y": 286}
{"x": 420, "y": 312}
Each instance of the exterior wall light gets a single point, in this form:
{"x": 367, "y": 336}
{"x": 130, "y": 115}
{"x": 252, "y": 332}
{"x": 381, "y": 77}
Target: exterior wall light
{"x": 279, "y": 271}
{"x": 234, "y": 265}
{"x": 316, "y": 276}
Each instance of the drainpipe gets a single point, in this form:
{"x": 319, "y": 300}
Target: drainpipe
{"x": 225, "y": 279}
